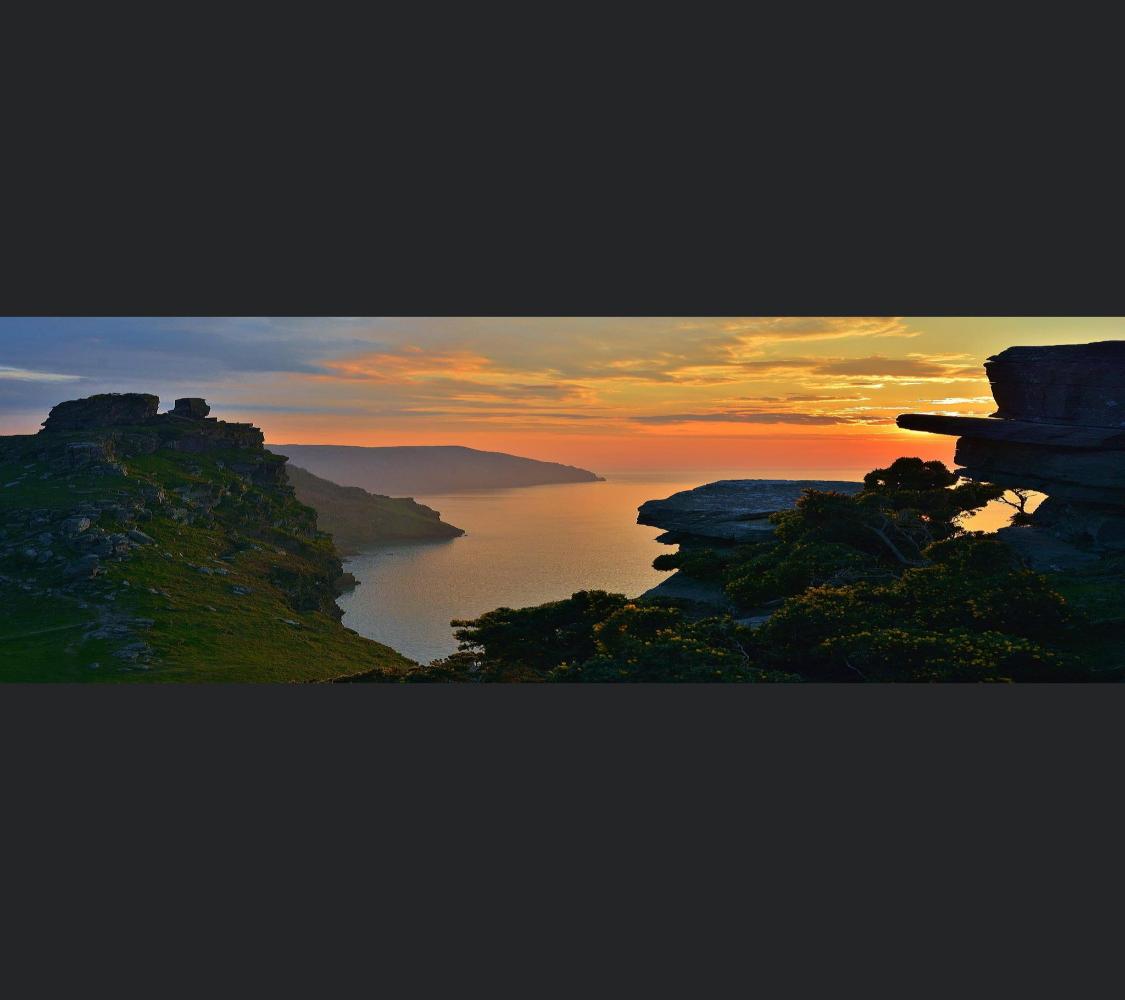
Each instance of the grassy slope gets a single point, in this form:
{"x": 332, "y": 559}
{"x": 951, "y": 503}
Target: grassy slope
{"x": 201, "y": 630}
{"x": 356, "y": 518}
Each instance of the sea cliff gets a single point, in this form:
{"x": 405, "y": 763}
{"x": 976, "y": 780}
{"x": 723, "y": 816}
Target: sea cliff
{"x": 357, "y": 519}
{"x": 137, "y": 545}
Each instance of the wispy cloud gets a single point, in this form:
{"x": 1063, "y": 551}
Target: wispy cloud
{"x": 27, "y": 375}
{"x": 736, "y": 417}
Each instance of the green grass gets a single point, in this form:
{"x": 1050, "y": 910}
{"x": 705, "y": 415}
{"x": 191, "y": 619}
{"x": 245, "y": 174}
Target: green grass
{"x": 202, "y": 631}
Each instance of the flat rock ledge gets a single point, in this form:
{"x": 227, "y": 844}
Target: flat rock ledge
{"x": 731, "y": 510}
{"x": 1059, "y": 428}
{"x": 723, "y": 513}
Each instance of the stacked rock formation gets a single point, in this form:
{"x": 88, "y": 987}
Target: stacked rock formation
{"x": 117, "y": 425}
{"x": 191, "y": 407}
{"x": 186, "y": 427}
{"x": 719, "y": 515}
{"x": 109, "y": 409}
{"x": 1059, "y": 429}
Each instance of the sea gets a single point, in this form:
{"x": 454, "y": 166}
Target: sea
{"x": 522, "y": 546}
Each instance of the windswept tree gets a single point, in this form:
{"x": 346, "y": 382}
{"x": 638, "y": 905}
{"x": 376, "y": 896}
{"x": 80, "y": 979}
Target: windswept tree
{"x": 1018, "y": 499}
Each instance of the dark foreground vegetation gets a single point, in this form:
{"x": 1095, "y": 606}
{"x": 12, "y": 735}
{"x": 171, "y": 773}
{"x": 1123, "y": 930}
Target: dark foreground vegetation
{"x": 144, "y": 546}
{"x": 880, "y": 586}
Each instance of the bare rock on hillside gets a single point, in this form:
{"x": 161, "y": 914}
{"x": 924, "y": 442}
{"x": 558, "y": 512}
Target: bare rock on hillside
{"x": 731, "y": 510}
{"x": 110, "y": 409}
{"x": 191, "y": 407}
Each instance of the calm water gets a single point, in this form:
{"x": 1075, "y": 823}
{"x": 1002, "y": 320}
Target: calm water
{"x": 522, "y": 547}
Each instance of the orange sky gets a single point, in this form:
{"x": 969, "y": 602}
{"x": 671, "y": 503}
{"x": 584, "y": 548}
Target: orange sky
{"x": 759, "y": 395}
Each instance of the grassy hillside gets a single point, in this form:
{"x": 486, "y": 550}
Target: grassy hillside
{"x": 161, "y": 552}
{"x": 357, "y": 519}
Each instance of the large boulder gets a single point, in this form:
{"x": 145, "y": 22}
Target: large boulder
{"x": 1068, "y": 383}
{"x": 1017, "y": 431}
{"x": 191, "y": 407}
{"x": 109, "y": 409}
{"x": 83, "y": 454}
{"x": 1088, "y": 525}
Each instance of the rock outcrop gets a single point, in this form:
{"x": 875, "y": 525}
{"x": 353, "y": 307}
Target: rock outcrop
{"x": 191, "y": 408}
{"x": 127, "y": 423}
{"x": 165, "y": 545}
{"x": 724, "y": 513}
{"x": 730, "y": 510}
{"x": 108, "y": 409}
{"x": 1059, "y": 428}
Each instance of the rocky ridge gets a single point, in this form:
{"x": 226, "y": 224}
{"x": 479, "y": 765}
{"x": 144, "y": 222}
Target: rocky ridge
{"x": 169, "y": 543}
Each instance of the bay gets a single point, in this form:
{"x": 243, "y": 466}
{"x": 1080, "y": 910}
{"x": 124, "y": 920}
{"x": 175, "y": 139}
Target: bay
{"x": 523, "y": 546}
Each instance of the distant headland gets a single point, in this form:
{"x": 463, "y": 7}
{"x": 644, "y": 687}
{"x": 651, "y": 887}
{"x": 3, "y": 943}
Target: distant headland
{"x": 409, "y": 471}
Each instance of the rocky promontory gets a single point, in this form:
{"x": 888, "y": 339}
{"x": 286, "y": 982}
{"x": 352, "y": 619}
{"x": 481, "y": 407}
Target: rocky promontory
{"x": 724, "y": 513}
{"x": 357, "y": 519}
{"x": 410, "y": 471}
{"x": 139, "y": 545}
{"x": 729, "y": 510}
{"x": 1059, "y": 429}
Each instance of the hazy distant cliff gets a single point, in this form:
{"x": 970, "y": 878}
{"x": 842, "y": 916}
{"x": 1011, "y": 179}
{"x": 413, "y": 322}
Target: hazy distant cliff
{"x": 408, "y": 471}
{"x": 357, "y": 519}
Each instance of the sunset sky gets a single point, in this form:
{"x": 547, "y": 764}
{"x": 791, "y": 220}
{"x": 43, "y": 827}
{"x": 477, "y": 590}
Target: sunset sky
{"x": 767, "y": 396}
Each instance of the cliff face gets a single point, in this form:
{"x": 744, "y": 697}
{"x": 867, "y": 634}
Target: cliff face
{"x": 1059, "y": 428}
{"x": 136, "y": 545}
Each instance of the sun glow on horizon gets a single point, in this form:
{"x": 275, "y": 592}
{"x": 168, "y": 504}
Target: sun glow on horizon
{"x": 799, "y": 393}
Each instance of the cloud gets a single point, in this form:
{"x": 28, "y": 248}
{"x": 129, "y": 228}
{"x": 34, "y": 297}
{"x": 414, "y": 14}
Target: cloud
{"x": 957, "y": 400}
{"x": 898, "y": 368}
{"x": 26, "y": 375}
{"x": 766, "y": 329}
{"x": 527, "y": 370}
{"x": 736, "y": 417}
{"x": 798, "y": 397}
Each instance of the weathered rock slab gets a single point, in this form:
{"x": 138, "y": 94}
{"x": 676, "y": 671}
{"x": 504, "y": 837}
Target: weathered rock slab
{"x": 683, "y": 588}
{"x": 1068, "y": 383}
{"x": 732, "y": 510}
{"x": 1016, "y": 431}
{"x": 1083, "y": 524}
{"x": 1092, "y": 476}
{"x": 109, "y": 409}
{"x": 1045, "y": 552}
{"x": 191, "y": 407}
